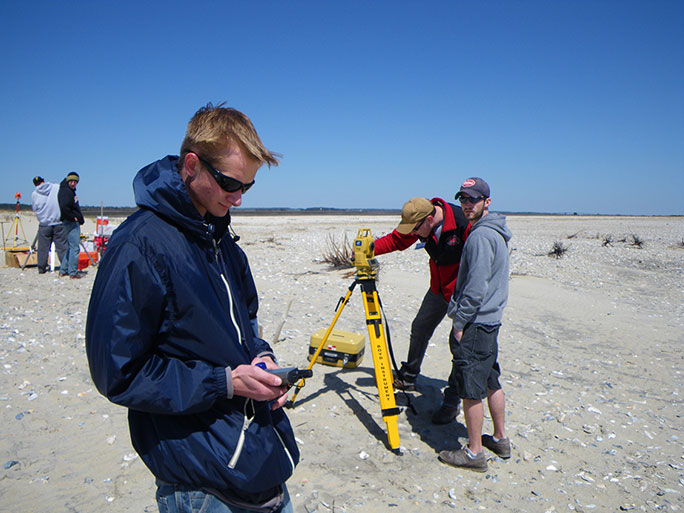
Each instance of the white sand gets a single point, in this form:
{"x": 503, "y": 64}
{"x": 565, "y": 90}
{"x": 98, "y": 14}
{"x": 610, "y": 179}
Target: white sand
{"x": 590, "y": 350}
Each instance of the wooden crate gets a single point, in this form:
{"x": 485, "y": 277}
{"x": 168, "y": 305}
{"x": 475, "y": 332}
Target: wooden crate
{"x": 16, "y": 258}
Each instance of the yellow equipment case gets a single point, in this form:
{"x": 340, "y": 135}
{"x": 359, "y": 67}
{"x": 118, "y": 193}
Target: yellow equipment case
{"x": 342, "y": 349}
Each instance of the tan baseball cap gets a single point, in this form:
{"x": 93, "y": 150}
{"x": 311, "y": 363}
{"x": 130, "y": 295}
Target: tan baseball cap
{"x": 413, "y": 212}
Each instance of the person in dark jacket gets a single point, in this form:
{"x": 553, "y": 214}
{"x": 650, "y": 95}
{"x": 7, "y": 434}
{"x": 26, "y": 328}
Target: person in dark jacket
{"x": 72, "y": 219}
{"x": 443, "y": 229}
{"x": 171, "y": 330}
{"x": 46, "y": 207}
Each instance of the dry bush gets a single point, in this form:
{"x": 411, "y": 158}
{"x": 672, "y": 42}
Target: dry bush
{"x": 338, "y": 255}
{"x": 607, "y": 240}
{"x": 558, "y": 250}
{"x": 637, "y": 241}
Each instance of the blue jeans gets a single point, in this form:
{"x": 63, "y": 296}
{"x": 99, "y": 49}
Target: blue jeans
{"x": 177, "y": 499}
{"x": 70, "y": 263}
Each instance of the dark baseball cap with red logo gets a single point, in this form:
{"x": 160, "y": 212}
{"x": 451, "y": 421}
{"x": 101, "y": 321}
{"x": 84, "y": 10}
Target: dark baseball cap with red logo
{"x": 474, "y": 187}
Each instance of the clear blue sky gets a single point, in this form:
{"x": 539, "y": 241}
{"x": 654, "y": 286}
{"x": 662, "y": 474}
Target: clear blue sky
{"x": 562, "y": 106}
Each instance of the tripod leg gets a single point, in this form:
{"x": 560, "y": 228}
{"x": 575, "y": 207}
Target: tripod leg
{"x": 381, "y": 361}
{"x": 28, "y": 255}
{"x": 314, "y": 357}
{"x": 88, "y": 255}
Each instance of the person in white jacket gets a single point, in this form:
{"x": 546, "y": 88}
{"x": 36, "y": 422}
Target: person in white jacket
{"x": 46, "y": 207}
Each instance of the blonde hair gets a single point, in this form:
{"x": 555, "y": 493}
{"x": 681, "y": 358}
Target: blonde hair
{"x": 211, "y": 129}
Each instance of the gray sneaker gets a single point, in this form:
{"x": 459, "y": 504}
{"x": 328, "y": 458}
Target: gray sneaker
{"x": 502, "y": 448}
{"x": 461, "y": 459}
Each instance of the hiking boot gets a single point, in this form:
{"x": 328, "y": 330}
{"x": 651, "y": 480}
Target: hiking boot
{"x": 501, "y": 448}
{"x": 461, "y": 459}
{"x": 445, "y": 414}
{"x": 404, "y": 384}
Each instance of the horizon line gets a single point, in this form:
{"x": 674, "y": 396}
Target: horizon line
{"x": 115, "y": 211}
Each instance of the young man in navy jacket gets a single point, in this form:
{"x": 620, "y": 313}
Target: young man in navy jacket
{"x": 171, "y": 330}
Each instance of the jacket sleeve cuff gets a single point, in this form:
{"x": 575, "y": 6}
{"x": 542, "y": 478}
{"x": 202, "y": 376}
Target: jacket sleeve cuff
{"x": 269, "y": 354}
{"x": 458, "y": 325}
{"x": 229, "y": 382}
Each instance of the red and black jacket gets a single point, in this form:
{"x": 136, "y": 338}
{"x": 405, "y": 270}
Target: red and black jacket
{"x": 445, "y": 253}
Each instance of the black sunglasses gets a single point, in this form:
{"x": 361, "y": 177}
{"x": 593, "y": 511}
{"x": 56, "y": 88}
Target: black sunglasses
{"x": 420, "y": 223}
{"x": 226, "y": 183}
{"x": 472, "y": 201}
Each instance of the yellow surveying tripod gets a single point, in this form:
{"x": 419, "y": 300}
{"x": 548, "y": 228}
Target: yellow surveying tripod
{"x": 366, "y": 266}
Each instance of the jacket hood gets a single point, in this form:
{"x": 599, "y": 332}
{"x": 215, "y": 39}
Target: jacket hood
{"x": 159, "y": 187}
{"x": 496, "y": 222}
{"x": 43, "y": 189}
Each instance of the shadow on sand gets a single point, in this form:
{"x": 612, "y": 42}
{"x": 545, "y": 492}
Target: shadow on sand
{"x": 418, "y": 407}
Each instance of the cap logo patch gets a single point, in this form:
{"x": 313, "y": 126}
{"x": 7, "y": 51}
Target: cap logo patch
{"x": 468, "y": 183}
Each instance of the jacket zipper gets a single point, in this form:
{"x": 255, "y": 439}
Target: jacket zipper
{"x": 230, "y": 295}
{"x": 246, "y": 421}
{"x": 289, "y": 456}
{"x": 232, "y": 314}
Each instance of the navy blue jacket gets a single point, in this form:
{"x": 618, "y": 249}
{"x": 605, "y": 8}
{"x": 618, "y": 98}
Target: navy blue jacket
{"x": 69, "y": 208}
{"x": 171, "y": 308}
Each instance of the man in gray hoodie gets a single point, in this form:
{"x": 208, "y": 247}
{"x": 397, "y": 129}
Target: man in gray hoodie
{"x": 476, "y": 308}
{"x": 46, "y": 207}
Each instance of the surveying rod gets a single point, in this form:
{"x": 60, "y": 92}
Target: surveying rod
{"x": 383, "y": 371}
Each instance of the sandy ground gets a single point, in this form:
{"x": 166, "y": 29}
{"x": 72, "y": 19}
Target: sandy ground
{"x": 590, "y": 350}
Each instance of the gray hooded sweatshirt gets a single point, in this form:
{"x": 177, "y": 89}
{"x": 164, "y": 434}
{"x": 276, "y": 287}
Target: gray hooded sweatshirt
{"x": 44, "y": 203}
{"x": 482, "y": 286}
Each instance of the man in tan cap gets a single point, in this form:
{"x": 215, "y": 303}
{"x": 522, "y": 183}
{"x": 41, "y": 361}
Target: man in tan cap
{"x": 443, "y": 228}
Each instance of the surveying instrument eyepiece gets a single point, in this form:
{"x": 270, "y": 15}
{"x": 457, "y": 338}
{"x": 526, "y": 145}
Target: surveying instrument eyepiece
{"x": 366, "y": 268}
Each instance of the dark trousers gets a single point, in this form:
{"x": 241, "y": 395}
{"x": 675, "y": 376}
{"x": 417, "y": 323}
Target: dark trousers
{"x": 431, "y": 312}
{"x": 46, "y": 236}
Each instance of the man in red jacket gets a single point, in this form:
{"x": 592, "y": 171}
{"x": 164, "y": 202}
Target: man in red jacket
{"x": 443, "y": 228}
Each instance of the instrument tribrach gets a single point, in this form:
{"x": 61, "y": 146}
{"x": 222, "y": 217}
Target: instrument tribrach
{"x": 366, "y": 267}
